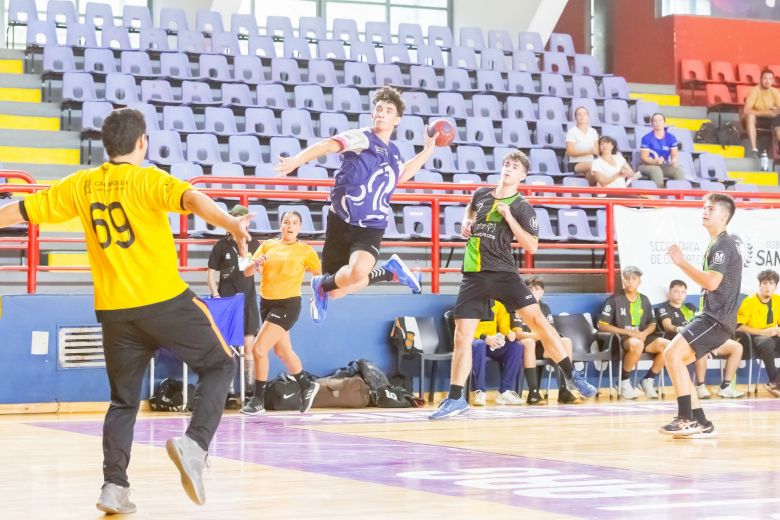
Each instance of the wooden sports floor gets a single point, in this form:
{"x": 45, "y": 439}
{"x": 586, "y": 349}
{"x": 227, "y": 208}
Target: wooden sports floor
{"x": 600, "y": 460}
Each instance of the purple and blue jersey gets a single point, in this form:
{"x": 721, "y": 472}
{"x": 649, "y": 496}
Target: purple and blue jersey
{"x": 369, "y": 173}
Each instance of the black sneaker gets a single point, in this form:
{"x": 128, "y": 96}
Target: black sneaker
{"x": 307, "y": 396}
{"x": 253, "y": 407}
{"x": 566, "y": 397}
{"x": 535, "y": 398}
{"x": 681, "y": 426}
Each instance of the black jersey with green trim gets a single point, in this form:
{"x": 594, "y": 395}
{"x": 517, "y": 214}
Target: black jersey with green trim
{"x": 490, "y": 246}
{"x": 721, "y": 304}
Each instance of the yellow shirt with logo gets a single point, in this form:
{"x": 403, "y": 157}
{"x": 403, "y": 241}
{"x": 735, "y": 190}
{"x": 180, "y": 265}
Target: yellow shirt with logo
{"x": 501, "y": 322}
{"x": 762, "y": 100}
{"x": 283, "y": 270}
{"x": 753, "y": 312}
{"x": 123, "y": 209}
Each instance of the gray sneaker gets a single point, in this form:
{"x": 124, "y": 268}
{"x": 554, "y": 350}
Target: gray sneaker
{"x": 189, "y": 459}
{"x": 115, "y": 500}
{"x": 253, "y": 407}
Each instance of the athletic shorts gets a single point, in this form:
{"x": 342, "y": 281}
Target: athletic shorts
{"x": 251, "y": 317}
{"x": 281, "y": 312}
{"x": 477, "y": 289}
{"x": 342, "y": 239}
{"x": 649, "y": 339}
{"x": 768, "y": 122}
{"x": 704, "y": 335}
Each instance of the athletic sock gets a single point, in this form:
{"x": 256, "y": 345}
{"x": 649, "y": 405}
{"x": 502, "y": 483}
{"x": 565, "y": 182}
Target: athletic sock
{"x": 329, "y": 283}
{"x": 650, "y": 374}
{"x": 725, "y": 384}
{"x": 260, "y": 390}
{"x": 456, "y": 392}
{"x": 698, "y": 416}
{"x": 684, "y": 407}
{"x": 625, "y": 375}
{"x": 380, "y": 274}
{"x": 533, "y": 382}
{"x": 302, "y": 380}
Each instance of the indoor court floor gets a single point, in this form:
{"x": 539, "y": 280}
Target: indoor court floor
{"x": 594, "y": 461}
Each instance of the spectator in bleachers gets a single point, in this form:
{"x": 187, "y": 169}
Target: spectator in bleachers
{"x": 762, "y": 105}
{"x": 535, "y": 350}
{"x": 673, "y": 315}
{"x": 759, "y": 316}
{"x": 658, "y": 153}
{"x": 629, "y": 315}
{"x": 611, "y": 169}
{"x": 226, "y": 278}
{"x": 494, "y": 339}
{"x": 581, "y": 144}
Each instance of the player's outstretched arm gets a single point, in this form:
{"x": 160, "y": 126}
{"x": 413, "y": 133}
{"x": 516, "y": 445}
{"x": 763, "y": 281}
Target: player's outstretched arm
{"x": 413, "y": 166}
{"x": 709, "y": 280}
{"x": 208, "y": 210}
{"x": 287, "y": 165}
{"x": 10, "y": 215}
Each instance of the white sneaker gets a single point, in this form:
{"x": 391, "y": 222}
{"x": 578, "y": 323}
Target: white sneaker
{"x": 627, "y": 391}
{"x": 703, "y": 392}
{"x": 730, "y": 393}
{"x": 648, "y": 386}
{"x": 508, "y": 397}
{"x": 479, "y": 398}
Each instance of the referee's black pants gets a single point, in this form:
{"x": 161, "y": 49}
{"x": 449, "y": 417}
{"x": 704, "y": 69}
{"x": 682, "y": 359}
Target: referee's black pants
{"x": 188, "y": 331}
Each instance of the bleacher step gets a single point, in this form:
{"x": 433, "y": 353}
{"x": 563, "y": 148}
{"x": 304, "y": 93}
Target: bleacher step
{"x": 686, "y": 112}
{"x": 14, "y": 122}
{"x": 746, "y": 164}
{"x": 729, "y": 152}
{"x": 753, "y": 177}
{"x": 687, "y": 123}
{"x": 20, "y": 81}
{"x": 37, "y": 155}
{"x": 11, "y": 54}
{"x": 652, "y": 88}
{"x": 40, "y": 139}
{"x": 11, "y": 66}
{"x": 30, "y": 109}
{"x": 662, "y": 99}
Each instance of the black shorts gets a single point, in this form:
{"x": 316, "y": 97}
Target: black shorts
{"x": 281, "y": 312}
{"x": 251, "y": 316}
{"x": 342, "y": 239}
{"x": 477, "y": 289}
{"x": 768, "y": 122}
{"x": 704, "y": 335}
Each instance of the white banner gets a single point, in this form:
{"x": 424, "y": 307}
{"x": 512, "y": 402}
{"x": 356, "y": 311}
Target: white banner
{"x": 644, "y": 236}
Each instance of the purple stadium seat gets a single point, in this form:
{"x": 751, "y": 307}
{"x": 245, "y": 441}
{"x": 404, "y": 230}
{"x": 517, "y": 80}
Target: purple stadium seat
{"x": 279, "y": 26}
{"x": 615, "y": 87}
{"x": 525, "y": 61}
{"x": 22, "y": 12}
{"x": 41, "y": 33}
{"x": 165, "y": 147}
{"x": 410, "y": 34}
{"x": 332, "y": 123}
{"x": 173, "y": 19}
{"x": 272, "y": 95}
{"x": 260, "y": 121}
{"x": 490, "y": 81}
{"x": 155, "y": 39}
{"x": 78, "y": 87}
{"x": 391, "y": 232}
{"x": 472, "y": 159}
{"x": 494, "y": 59}
{"x": 452, "y": 104}
{"x": 262, "y": 46}
{"x": 312, "y": 28}
{"x": 136, "y": 17}
{"x": 442, "y": 160}
{"x": 307, "y": 223}
{"x": 197, "y": 93}
{"x": 191, "y": 41}
{"x": 100, "y": 61}
{"x": 440, "y": 36}
{"x": 556, "y": 63}
{"x": 121, "y": 89}
{"x": 313, "y": 173}
{"x": 61, "y": 12}
{"x": 293, "y": 47}
{"x": 395, "y": 53}
{"x": 588, "y": 65}
{"x": 226, "y": 169}
{"x": 359, "y": 74}
{"x": 248, "y": 69}
{"x": 685, "y": 161}
{"x": 514, "y": 132}
{"x": 285, "y": 70}
{"x": 345, "y": 29}
{"x": 618, "y": 133}
{"x": 520, "y": 108}
{"x": 530, "y": 41}
{"x": 463, "y": 57}
{"x": 284, "y": 147}
{"x": 707, "y": 185}
{"x": 150, "y": 115}
{"x": 521, "y": 83}
{"x": 486, "y": 105}
{"x": 214, "y": 67}
{"x": 330, "y": 161}
{"x": 453, "y": 219}
{"x": 457, "y": 80}
{"x": 550, "y": 134}
{"x": 562, "y": 43}
{"x": 225, "y": 43}
{"x": 573, "y": 225}
{"x": 500, "y": 39}
{"x": 471, "y": 37}
{"x": 310, "y": 97}
{"x": 546, "y": 232}
{"x": 578, "y": 182}
{"x": 186, "y": 171}
{"x": 331, "y": 50}
{"x": 378, "y": 32}
{"x": 296, "y": 122}
{"x": 175, "y": 65}
{"x": 589, "y": 105}
{"x": 203, "y": 149}
{"x": 245, "y": 150}
{"x": 417, "y": 221}
{"x": 208, "y": 21}
{"x": 220, "y": 121}
{"x": 417, "y": 103}
{"x": 480, "y": 130}
{"x": 616, "y": 112}
{"x": 179, "y": 118}
{"x": 115, "y": 38}
{"x": 347, "y": 99}
{"x": 684, "y": 138}
{"x": 584, "y": 87}
{"x": 553, "y": 85}
{"x": 411, "y": 129}
{"x": 545, "y": 162}
{"x": 423, "y": 77}
{"x": 551, "y": 109}
{"x": 430, "y": 55}
{"x": 643, "y": 111}
{"x": 80, "y": 35}
{"x": 712, "y": 166}
{"x": 98, "y": 14}
{"x": 136, "y": 63}
{"x": 93, "y": 113}
{"x": 322, "y": 72}
{"x": 388, "y": 74}
{"x": 243, "y": 25}
{"x": 58, "y": 59}
{"x": 236, "y": 95}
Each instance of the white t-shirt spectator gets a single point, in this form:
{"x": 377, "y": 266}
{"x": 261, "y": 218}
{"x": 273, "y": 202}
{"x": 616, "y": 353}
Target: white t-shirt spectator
{"x": 602, "y": 166}
{"x": 582, "y": 142}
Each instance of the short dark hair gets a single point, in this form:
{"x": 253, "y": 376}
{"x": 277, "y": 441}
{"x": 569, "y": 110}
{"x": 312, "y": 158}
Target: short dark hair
{"x": 723, "y": 200}
{"x": 658, "y": 114}
{"x": 534, "y": 282}
{"x": 677, "y": 283}
{"x": 768, "y": 275}
{"x": 608, "y": 139}
{"x": 121, "y": 130}
{"x": 291, "y": 212}
{"x": 390, "y": 95}
{"x": 583, "y": 108}
{"x": 517, "y": 155}
{"x": 766, "y": 71}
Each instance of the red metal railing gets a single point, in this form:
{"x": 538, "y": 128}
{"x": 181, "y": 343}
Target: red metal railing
{"x": 568, "y": 196}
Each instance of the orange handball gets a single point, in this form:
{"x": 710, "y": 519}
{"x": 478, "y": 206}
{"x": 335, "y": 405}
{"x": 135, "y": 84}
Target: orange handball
{"x": 446, "y": 130}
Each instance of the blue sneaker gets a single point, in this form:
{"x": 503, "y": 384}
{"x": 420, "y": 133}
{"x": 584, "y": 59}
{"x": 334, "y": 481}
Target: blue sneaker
{"x": 319, "y": 299}
{"x": 450, "y": 408}
{"x": 402, "y": 273}
{"x": 583, "y": 387}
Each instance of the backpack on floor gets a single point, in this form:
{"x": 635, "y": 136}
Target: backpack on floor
{"x": 282, "y": 393}
{"x": 169, "y": 396}
{"x": 707, "y": 134}
{"x": 729, "y": 135}
{"x": 343, "y": 392}
{"x": 395, "y": 397}
{"x": 371, "y": 374}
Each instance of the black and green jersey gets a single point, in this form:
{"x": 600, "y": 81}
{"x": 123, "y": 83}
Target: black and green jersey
{"x": 724, "y": 257}
{"x": 490, "y": 246}
{"x": 680, "y": 316}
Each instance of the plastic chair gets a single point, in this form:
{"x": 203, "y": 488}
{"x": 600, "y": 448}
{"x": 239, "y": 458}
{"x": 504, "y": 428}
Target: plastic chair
{"x": 514, "y": 132}
{"x": 313, "y": 173}
{"x": 208, "y": 21}
{"x": 197, "y": 93}
{"x": 363, "y": 52}
{"x": 588, "y": 65}
{"x": 553, "y": 85}
{"x": 378, "y": 32}
{"x": 525, "y": 61}
{"x": 457, "y": 80}
{"x": 618, "y": 133}
{"x": 440, "y": 36}
{"x": 388, "y": 74}
{"x": 718, "y": 94}
{"x": 589, "y": 105}
{"x": 480, "y": 130}
{"x": 712, "y": 166}
{"x": 410, "y": 34}
{"x": 100, "y": 61}
{"x": 92, "y": 115}
{"x": 173, "y": 19}
{"x": 573, "y": 225}
{"x": 80, "y": 35}
{"x": 153, "y": 39}
{"x": 561, "y": 42}
{"x": 494, "y": 59}
{"x": 550, "y": 134}
{"x": 220, "y": 121}
{"x": 472, "y": 159}
{"x": 312, "y": 28}
{"x": 551, "y": 109}
{"x": 453, "y": 219}
{"x": 175, "y": 65}
{"x": 99, "y": 14}
{"x": 684, "y": 138}
{"x": 491, "y": 81}
{"x": 530, "y": 41}
{"x": 41, "y": 33}
{"x": 331, "y": 50}
{"x": 486, "y": 105}
{"x": 442, "y": 160}
{"x": 335, "y": 123}
{"x": 203, "y": 149}
{"x": 248, "y": 69}
{"x": 165, "y": 147}
{"x": 245, "y": 150}
{"x": 322, "y": 72}
{"x": 225, "y": 43}
{"x": 423, "y": 77}
{"x": 395, "y": 53}
{"x": 643, "y": 111}
{"x": 310, "y": 97}
{"x": 616, "y": 112}
{"x": 78, "y": 87}
{"x": 584, "y": 87}
{"x": 358, "y": 74}
{"x": 262, "y": 46}
{"x": 430, "y": 55}
{"x": 411, "y": 129}
{"x": 722, "y": 72}
{"x": 150, "y": 115}
{"x": 284, "y": 147}
{"x": 615, "y": 87}
{"x": 136, "y": 17}
{"x": 500, "y": 39}
{"x": 157, "y": 91}
{"x": 243, "y": 25}
{"x": 546, "y": 231}
{"x": 346, "y": 30}
{"x": 186, "y": 170}
{"x": 190, "y": 41}
{"x": 213, "y": 67}
{"x": 579, "y": 329}
{"x": 136, "y": 63}
{"x": 296, "y": 122}
{"x": 347, "y": 99}
{"x": 58, "y": 60}
{"x": 179, "y": 118}
{"x": 61, "y": 12}
{"x": 417, "y": 221}
{"x": 272, "y": 95}
{"x": 463, "y": 57}
{"x": 452, "y": 104}
{"x": 22, "y": 12}
{"x": 285, "y": 70}
{"x": 260, "y": 121}
{"x": 556, "y": 63}
{"x": 544, "y": 161}
{"x": 692, "y": 70}
{"x": 115, "y": 38}
{"x": 121, "y": 89}
{"x": 296, "y": 48}
{"x": 279, "y": 26}
{"x": 521, "y": 83}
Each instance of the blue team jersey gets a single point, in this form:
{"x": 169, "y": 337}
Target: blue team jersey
{"x": 367, "y": 178}
{"x": 662, "y": 147}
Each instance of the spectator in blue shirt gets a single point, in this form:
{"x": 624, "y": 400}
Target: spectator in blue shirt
{"x": 658, "y": 153}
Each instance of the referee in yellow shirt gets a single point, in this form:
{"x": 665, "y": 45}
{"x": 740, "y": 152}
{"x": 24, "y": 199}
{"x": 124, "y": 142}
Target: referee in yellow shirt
{"x": 140, "y": 299}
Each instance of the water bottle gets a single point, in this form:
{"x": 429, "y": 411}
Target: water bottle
{"x": 764, "y": 162}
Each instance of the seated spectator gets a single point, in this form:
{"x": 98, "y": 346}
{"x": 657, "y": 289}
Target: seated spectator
{"x": 629, "y": 315}
{"x": 611, "y": 169}
{"x": 581, "y": 147}
{"x": 673, "y": 315}
{"x": 762, "y": 105}
{"x": 533, "y": 349}
{"x": 495, "y": 340}
{"x": 759, "y": 316}
{"x": 658, "y": 153}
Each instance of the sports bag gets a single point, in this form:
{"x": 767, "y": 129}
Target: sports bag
{"x": 169, "y": 396}
{"x": 346, "y": 392}
{"x": 282, "y": 393}
{"x": 395, "y": 397}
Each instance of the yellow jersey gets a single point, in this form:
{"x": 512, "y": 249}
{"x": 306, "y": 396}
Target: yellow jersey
{"x": 283, "y": 270}
{"x": 754, "y": 313}
{"x": 123, "y": 209}
{"x": 501, "y": 322}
